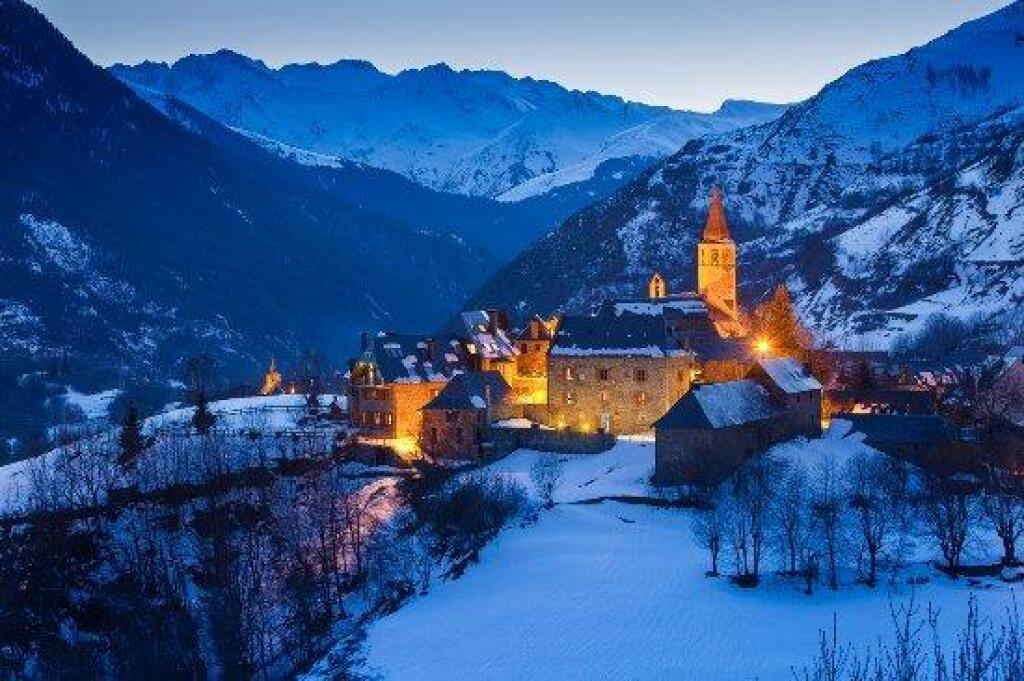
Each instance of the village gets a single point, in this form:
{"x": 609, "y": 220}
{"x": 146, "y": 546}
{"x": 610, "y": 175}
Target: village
{"x": 716, "y": 384}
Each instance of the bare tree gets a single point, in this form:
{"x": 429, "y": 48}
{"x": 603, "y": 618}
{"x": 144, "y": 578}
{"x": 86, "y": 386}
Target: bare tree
{"x": 791, "y": 518}
{"x": 752, "y": 492}
{"x": 1004, "y": 510}
{"x": 866, "y": 484}
{"x": 947, "y": 512}
{"x": 709, "y": 527}
{"x": 545, "y": 473}
{"x": 826, "y": 509}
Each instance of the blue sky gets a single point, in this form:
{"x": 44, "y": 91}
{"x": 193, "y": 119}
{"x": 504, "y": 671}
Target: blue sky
{"x": 682, "y": 53}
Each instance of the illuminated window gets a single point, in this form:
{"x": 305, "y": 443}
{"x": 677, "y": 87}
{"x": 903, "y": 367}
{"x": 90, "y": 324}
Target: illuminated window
{"x": 567, "y": 373}
{"x": 570, "y": 397}
{"x": 714, "y": 257}
{"x": 389, "y": 418}
{"x": 604, "y": 397}
{"x": 641, "y": 398}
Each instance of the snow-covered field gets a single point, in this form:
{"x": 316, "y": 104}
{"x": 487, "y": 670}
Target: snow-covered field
{"x": 615, "y": 590}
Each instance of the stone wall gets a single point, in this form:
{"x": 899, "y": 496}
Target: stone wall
{"x": 452, "y": 434}
{"x": 408, "y": 399}
{"x": 505, "y": 440}
{"x": 590, "y": 394}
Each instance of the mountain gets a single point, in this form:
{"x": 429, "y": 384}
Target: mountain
{"x": 892, "y": 193}
{"x": 130, "y": 240}
{"x": 482, "y": 133}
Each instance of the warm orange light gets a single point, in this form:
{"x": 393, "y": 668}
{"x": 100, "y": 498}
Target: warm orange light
{"x": 763, "y": 346}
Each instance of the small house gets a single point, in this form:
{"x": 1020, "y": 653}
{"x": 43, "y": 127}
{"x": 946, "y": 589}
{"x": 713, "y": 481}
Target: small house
{"x": 453, "y": 422}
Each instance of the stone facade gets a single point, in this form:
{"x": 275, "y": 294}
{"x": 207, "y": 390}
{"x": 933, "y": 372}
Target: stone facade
{"x": 453, "y": 433}
{"x": 391, "y": 411}
{"x": 705, "y": 456}
{"x": 617, "y": 395}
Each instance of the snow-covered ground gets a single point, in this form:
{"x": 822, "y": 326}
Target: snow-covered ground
{"x": 87, "y": 459}
{"x": 614, "y": 590}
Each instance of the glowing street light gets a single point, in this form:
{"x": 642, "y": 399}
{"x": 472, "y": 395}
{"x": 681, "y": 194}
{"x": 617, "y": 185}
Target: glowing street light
{"x": 763, "y": 346}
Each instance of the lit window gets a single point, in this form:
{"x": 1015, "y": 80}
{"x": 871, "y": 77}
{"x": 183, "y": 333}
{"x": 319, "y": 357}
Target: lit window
{"x": 641, "y": 398}
{"x": 567, "y": 373}
{"x": 604, "y": 396}
{"x": 570, "y": 397}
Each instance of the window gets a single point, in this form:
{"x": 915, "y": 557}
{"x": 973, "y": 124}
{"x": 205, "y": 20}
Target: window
{"x": 603, "y": 374}
{"x": 714, "y": 257}
{"x": 570, "y": 397}
{"x": 523, "y": 347}
{"x": 604, "y": 397}
{"x": 683, "y": 375}
{"x": 640, "y": 375}
{"x": 641, "y": 398}
{"x": 581, "y": 376}
{"x": 567, "y": 373}
{"x": 389, "y": 418}
{"x": 538, "y": 348}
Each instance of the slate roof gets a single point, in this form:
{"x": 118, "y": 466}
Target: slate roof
{"x": 894, "y": 429}
{"x": 720, "y": 405}
{"x": 487, "y": 344}
{"x": 406, "y": 358}
{"x": 608, "y": 333}
{"x": 789, "y": 374}
{"x": 470, "y": 391}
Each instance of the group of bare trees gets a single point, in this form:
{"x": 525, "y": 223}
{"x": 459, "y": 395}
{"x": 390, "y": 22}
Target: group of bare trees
{"x": 822, "y": 521}
{"x": 980, "y": 650}
{"x": 272, "y": 558}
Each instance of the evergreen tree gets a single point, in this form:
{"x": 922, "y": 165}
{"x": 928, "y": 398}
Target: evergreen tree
{"x": 130, "y": 440}
{"x": 776, "y": 321}
{"x": 203, "y": 419}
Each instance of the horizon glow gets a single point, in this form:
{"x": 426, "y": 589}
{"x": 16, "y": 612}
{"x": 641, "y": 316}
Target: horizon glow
{"x": 684, "y": 54}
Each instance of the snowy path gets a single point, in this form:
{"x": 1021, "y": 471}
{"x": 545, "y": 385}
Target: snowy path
{"x": 616, "y": 591}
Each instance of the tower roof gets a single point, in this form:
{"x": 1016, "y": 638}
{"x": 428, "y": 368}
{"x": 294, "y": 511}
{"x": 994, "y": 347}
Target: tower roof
{"x": 716, "y": 229}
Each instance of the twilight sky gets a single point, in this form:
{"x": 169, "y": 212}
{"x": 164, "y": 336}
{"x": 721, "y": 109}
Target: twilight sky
{"x": 684, "y": 53}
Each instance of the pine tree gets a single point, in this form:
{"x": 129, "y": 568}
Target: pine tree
{"x": 203, "y": 419}
{"x": 776, "y": 321}
{"x": 130, "y": 440}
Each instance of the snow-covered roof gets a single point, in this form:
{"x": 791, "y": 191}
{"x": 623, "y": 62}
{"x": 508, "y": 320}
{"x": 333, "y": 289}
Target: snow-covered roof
{"x": 620, "y": 335}
{"x": 411, "y": 359}
{"x": 489, "y": 340}
{"x": 789, "y": 374}
{"x": 473, "y": 390}
{"x": 720, "y": 405}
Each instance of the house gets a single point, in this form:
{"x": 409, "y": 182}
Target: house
{"x": 791, "y": 385}
{"x": 1009, "y": 385}
{"x": 897, "y": 399}
{"x": 714, "y": 428}
{"x": 393, "y": 377}
{"x": 454, "y": 420}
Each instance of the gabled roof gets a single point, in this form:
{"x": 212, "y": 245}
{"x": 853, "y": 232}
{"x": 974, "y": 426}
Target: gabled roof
{"x": 473, "y": 390}
{"x": 613, "y": 334}
{"x": 789, "y": 374}
{"x": 720, "y": 405}
{"x": 883, "y": 429}
{"x": 405, "y": 358}
{"x": 544, "y": 331}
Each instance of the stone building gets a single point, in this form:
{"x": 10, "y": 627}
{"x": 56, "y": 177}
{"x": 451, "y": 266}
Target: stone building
{"x": 614, "y": 372}
{"x": 394, "y": 376}
{"x": 454, "y": 420}
{"x": 714, "y": 428}
{"x": 620, "y": 369}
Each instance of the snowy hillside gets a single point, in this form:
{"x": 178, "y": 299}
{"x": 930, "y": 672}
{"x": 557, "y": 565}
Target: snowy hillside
{"x": 885, "y": 152}
{"x": 618, "y": 590}
{"x": 483, "y": 133}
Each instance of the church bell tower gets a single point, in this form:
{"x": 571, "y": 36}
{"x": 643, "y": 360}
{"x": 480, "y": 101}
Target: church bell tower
{"x": 716, "y": 260}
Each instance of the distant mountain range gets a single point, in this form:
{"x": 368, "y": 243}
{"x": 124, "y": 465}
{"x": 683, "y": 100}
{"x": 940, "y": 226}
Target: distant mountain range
{"x": 481, "y": 133}
{"x": 134, "y": 236}
{"x": 895, "y": 192}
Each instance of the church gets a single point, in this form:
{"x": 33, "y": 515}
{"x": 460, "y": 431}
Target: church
{"x": 620, "y": 369}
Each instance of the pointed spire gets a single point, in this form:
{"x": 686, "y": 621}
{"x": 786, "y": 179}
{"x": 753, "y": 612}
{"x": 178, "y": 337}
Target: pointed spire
{"x": 716, "y": 229}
